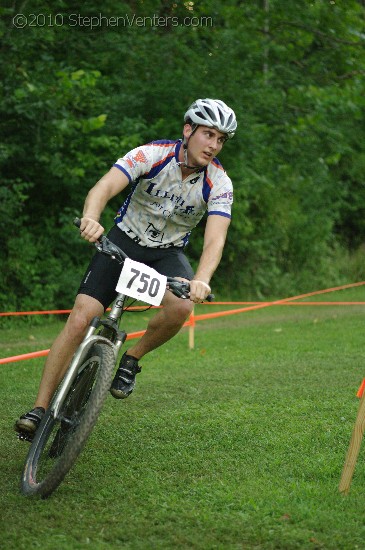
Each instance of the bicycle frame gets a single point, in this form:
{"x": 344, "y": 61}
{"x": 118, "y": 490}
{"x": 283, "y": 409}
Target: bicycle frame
{"x": 110, "y": 334}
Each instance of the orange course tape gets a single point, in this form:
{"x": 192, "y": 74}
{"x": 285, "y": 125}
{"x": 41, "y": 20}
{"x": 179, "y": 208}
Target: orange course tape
{"x": 194, "y": 318}
{"x": 61, "y": 311}
{"x": 275, "y": 302}
{"x": 35, "y": 354}
{"x": 135, "y": 308}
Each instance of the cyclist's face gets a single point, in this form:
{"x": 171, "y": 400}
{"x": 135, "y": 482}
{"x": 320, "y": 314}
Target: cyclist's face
{"x": 204, "y": 144}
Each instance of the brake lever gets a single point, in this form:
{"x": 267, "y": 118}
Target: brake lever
{"x": 106, "y": 247}
{"x": 180, "y": 289}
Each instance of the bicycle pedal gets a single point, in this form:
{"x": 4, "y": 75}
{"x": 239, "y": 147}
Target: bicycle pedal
{"x": 22, "y": 436}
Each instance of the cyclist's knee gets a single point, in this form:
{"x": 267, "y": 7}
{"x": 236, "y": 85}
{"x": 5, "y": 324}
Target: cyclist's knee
{"x": 83, "y": 312}
{"x": 181, "y": 310}
{"x": 78, "y": 322}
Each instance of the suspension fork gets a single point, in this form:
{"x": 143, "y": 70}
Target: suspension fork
{"x": 72, "y": 371}
{"x": 90, "y": 339}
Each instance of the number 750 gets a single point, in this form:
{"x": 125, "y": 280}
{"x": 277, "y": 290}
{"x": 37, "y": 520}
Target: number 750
{"x": 151, "y": 286}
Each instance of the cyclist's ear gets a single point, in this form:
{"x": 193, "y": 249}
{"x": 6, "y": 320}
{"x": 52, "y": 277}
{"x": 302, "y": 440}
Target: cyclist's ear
{"x": 187, "y": 130}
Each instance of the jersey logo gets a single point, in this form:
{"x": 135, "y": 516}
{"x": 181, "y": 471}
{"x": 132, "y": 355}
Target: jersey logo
{"x": 140, "y": 157}
{"x": 228, "y": 195}
{"x": 154, "y": 234}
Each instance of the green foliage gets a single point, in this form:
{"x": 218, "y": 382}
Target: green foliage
{"x": 76, "y": 98}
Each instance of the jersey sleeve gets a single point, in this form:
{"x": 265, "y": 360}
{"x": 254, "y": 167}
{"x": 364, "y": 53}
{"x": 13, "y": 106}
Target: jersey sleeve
{"x": 221, "y": 198}
{"x": 136, "y": 163}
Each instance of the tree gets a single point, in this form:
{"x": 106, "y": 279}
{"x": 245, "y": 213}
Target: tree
{"x": 81, "y": 89}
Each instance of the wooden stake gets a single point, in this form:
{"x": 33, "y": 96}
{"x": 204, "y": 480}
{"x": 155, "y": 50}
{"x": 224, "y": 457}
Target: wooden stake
{"x": 354, "y": 448}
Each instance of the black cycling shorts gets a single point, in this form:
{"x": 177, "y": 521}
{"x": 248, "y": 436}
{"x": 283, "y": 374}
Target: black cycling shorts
{"x": 102, "y": 274}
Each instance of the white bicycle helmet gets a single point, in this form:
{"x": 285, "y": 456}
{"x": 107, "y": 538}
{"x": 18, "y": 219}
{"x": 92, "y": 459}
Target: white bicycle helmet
{"x": 213, "y": 113}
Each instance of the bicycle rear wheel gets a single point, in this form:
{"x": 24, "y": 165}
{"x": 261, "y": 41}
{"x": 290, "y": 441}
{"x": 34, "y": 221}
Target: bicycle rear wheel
{"x": 59, "y": 440}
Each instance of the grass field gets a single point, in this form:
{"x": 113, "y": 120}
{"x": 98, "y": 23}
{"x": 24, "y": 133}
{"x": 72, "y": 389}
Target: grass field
{"x": 238, "y": 444}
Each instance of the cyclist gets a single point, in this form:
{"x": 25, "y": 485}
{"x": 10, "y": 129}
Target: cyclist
{"x": 173, "y": 184}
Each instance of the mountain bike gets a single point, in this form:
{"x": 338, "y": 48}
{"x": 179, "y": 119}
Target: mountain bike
{"x": 76, "y": 405}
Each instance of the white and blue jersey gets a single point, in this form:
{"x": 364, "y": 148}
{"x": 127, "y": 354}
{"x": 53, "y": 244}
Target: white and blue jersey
{"x": 162, "y": 209}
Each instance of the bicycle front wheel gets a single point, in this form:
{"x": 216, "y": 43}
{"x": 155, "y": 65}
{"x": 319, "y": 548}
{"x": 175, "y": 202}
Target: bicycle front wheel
{"x": 59, "y": 440}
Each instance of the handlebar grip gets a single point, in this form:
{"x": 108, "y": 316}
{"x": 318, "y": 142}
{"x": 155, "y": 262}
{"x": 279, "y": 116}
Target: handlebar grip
{"x": 77, "y": 222}
{"x": 210, "y": 298}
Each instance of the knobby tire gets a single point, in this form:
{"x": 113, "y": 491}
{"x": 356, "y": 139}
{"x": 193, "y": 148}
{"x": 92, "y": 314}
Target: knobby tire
{"x": 59, "y": 441}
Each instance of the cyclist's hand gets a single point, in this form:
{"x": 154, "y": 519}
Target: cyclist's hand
{"x": 199, "y": 290}
{"x": 90, "y": 229}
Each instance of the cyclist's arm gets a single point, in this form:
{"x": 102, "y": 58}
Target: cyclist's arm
{"x": 107, "y": 187}
{"x": 214, "y": 239}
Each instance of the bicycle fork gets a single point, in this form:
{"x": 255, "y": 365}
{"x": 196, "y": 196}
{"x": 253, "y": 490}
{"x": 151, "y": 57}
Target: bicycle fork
{"x": 90, "y": 339}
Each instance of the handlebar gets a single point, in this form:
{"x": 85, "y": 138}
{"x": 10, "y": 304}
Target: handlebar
{"x": 105, "y": 246}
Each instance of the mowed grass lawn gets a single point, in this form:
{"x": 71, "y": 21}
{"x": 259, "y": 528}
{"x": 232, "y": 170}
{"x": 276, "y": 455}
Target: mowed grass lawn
{"x": 238, "y": 444}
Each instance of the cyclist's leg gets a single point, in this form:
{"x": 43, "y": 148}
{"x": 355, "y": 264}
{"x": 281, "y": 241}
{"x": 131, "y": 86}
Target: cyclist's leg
{"x": 96, "y": 292}
{"x": 65, "y": 345}
{"x": 169, "y": 320}
{"x": 59, "y": 358}
{"x": 164, "y": 325}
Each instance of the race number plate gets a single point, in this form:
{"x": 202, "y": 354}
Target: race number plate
{"x": 142, "y": 282}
